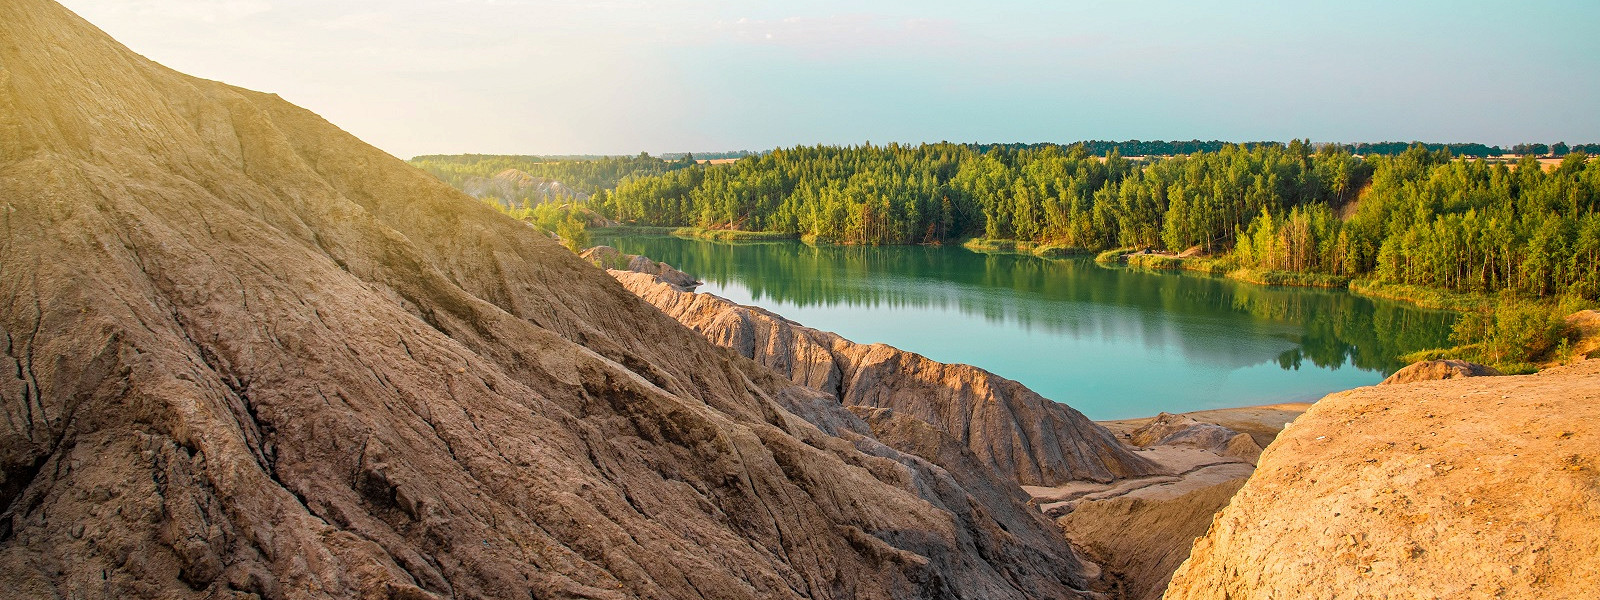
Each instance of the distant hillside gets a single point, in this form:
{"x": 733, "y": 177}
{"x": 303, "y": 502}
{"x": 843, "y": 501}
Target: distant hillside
{"x": 585, "y": 175}
{"x": 1176, "y": 147}
{"x": 514, "y": 188}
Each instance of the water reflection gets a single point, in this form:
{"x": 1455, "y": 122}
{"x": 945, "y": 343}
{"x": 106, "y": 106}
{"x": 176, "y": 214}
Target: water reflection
{"x": 1070, "y": 321}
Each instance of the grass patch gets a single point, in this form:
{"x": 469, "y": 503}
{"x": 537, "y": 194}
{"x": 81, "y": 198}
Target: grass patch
{"x": 1422, "y": 296}
{"x": 1290, "y": 278}
{"x": 1457, "y": 352}
{"x": 1516, "y": 368}
{"x": 731, "y": 235}
{"x": 1168, "y": 262}
{"x": 1041, "y": 249}
{"x": 1155, "y": 262}
{"x": 632, "y": 230}
{"x": 1112, "y": 256}
{"x": 990, "y": 245}
{"x": 1471, "y": 353}
{"x": 1059, "y": 251}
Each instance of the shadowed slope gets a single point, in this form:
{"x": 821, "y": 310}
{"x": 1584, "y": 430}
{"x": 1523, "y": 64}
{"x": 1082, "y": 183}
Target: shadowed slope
{"x": 247, "y": 353}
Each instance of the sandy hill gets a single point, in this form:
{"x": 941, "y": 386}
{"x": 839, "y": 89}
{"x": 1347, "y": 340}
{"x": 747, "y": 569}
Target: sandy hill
{"x": 1485, "y": 487}
{"x": 247, "y": 354}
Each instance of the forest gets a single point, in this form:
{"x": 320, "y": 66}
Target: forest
{"x": 1173, "y": 148}
{"x": 1421, "y": 217}
{"x": 1422, "y": 224}
{"x": 592, "y": 174}
{"x": 1421, "y": 221}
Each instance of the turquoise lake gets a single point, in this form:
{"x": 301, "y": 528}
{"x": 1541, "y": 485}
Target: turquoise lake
{"x": 1111, "y": 342}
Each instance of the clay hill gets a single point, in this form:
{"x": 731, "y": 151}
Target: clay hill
{"x": 247, "y": 355}
{"x": 1008, "y": 427}
{"x": 1481, "y": 487}
{"x": 1176, "y": 471}
{"x": 1430, "y": 485}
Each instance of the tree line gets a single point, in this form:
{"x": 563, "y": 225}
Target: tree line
{"x": 1420, "y": 217}
{"x": 1173, "y": 148}
{"x": 592, "y": 174}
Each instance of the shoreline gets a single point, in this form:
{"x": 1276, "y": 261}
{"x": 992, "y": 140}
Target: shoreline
{"x": 1024, "y": 248}
{"x": 1420, "y": 297}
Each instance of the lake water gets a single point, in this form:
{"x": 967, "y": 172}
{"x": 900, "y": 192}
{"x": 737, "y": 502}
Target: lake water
{"x": 1111, "y": 342}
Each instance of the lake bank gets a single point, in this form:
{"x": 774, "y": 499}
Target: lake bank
{"x": 1421, "y": 297}
{"x": 1114, "y": 343}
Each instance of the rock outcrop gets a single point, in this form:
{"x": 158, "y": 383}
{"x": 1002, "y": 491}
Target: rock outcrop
{"x": 607, "y": 257}
{"x": 1432, "y": 370}
{"x": 247, "y": 355}
{"x": 1467, "y": 488}
{"x": 1008, "y": 427}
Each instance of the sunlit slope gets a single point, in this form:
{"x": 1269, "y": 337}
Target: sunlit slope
{"x": 247, "y": 353}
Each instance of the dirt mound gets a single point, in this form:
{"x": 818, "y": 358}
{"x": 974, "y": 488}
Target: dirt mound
{"x": 1432, "y": 370}
{"x": 1468, "y": 488}
{"x": 248, "y": 354}
{"x": 1020, "y": 434}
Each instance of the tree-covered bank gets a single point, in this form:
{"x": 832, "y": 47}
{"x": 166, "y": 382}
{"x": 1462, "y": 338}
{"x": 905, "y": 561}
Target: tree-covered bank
{"x": 1419, "y": 218}
{"x": 1334, "y": 329}
{"x": 1422, "y": 225}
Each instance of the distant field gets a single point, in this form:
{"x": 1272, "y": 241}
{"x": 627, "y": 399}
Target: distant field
{"x": 716, "y": 161}
{"x": 1547, "y": 164}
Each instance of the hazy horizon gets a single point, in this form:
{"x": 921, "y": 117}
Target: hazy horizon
{"x": 620, "y": 77}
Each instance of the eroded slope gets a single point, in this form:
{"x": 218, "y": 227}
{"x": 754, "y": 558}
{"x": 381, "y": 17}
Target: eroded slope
{"x": 248, "y": 354}
{"x": 1015, "y": 431}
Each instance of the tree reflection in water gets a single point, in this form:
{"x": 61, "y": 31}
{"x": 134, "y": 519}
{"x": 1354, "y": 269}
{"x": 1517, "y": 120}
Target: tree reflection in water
{"x": 1213, "y": 322}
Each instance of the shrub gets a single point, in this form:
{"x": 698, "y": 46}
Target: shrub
{"x": 1514, "y": 332}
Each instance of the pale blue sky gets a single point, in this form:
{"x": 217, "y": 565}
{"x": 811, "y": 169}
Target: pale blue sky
{"x": 623, "y": 76}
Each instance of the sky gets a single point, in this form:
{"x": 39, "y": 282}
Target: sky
{"x": 629, "y": 76}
